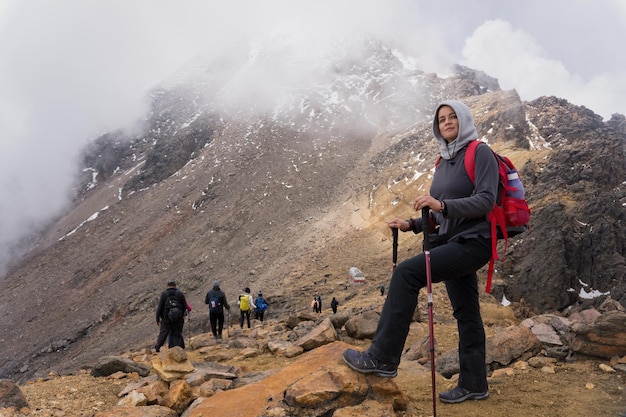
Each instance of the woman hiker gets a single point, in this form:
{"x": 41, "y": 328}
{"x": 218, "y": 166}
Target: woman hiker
{"x": 459, "y": 207}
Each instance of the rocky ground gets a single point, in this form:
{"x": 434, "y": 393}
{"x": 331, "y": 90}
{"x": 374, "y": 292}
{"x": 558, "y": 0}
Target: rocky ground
{"x": 580, "y": 389}
{"x": 577, "y": 388}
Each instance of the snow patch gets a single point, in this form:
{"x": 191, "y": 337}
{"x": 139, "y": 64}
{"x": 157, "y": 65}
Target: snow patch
{"x": 92, "y": 217}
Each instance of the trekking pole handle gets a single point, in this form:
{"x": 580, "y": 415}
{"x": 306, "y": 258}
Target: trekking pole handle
{"x": 426, "y": 227}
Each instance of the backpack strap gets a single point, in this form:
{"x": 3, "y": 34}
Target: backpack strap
{"x": 495, "y": 216}
{"x": 470, "y": 159}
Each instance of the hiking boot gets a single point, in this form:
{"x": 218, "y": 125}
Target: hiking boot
{"x": 366, "y": 363}
{"x": 458, "y": 395}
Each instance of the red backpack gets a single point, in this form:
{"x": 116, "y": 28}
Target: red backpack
{"x": 510, "y": 214}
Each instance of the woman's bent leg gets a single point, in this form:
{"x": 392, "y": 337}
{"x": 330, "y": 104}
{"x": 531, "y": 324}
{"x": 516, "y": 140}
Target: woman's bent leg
{"x": 448, "y": 262}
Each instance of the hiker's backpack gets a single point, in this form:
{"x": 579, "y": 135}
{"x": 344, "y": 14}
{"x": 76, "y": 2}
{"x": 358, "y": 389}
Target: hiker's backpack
{"x": 244, "y": 302}
{"x": 510, "y": 214}
{"x": 173, "y": 308}
{"x": 261, "y": 304}
{"x": 215, "y": 305}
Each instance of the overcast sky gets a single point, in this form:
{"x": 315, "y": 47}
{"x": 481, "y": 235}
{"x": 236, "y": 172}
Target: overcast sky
{"x": 72, "y": 69}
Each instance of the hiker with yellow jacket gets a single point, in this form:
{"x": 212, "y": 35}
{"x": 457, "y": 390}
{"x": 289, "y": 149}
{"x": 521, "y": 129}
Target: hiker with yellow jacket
{"x": 246, "y": 304}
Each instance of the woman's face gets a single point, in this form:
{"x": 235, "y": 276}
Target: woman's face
{"x": 448, "y": 123}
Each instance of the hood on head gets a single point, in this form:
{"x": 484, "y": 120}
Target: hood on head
{"x": 216, "y": 285}
{"x": 467, "y": 128}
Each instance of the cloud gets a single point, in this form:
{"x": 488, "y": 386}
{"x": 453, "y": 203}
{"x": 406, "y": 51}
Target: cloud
{"x": 67, "y": 76}
{"x": 73, "y": 69}
{"x": 520, "y": 62}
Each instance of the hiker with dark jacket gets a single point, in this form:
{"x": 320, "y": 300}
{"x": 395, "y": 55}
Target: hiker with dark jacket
{"x": 216, "y": 299}
{"x": 461, "y": 247}
{"x": 333, "y": 304}
{"x": 170, "y": 316}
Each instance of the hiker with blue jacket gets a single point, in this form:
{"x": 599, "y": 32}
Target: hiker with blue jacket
{"x": 261, "y": 305}
{"x": 461, "y": 246}
{"x": 216, "y": 299}
{"x": 170, "y": 316}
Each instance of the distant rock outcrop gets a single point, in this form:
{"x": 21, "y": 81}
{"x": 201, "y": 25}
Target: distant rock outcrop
{"x": 577, "y": 200}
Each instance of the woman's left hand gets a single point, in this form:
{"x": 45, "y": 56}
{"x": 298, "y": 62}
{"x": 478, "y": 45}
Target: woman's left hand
{"x": 426, "y": 200}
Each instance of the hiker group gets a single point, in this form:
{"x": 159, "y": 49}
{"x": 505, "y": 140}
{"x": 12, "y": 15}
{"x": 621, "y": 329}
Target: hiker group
{"x": 316, "y": 304}
{"x": 172, "y": 308}
{"x": 216, "y": 299}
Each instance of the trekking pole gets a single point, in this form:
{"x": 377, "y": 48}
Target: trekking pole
{"x": 189, "y": 327}
{"x": 394, "y": 230}
{"x": 429, "y": 291}
{"x": 228, "y": 327}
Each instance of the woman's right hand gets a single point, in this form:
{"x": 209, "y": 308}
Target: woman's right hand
{"x": 400, "y": 224}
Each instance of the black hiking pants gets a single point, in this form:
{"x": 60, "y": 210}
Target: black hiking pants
{"x": 173, "y": 332}
{"x": 455, "y": 263}
{"x": 244, "y": 314}
{"x": 217, "y": 323}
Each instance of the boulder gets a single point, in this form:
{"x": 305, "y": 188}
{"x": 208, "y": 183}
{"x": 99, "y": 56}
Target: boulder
{"x": 605, "y": 337}
{"x": 133, "y": 399}
{"x": 11, "y": 395}
{"x": 108, "y": 365}
{"x": 363, "y": 326}
{"x": 506, "y": 346}
{"x": 322, "y": 334}
{"x": 179, "y": 396}
{"x": 209, "y": 371}
{"x": 512, "y": 344}
{"x": 284, "y": 348}
{"x": 366, "y": 408}
{"x": 172, "y": 364}
{"x": 317, "y": 378}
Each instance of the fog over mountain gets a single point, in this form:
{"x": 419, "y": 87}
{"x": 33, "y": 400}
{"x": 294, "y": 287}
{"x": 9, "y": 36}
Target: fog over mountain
{"x": 75, "y": 69}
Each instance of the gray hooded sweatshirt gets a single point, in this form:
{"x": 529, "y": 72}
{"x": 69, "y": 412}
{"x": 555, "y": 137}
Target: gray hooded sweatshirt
{"x": 464, "y": 200}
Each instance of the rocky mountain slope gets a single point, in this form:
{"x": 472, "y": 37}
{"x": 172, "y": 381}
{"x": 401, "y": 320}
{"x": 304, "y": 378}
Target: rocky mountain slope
{"x": 286, "y": 201}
